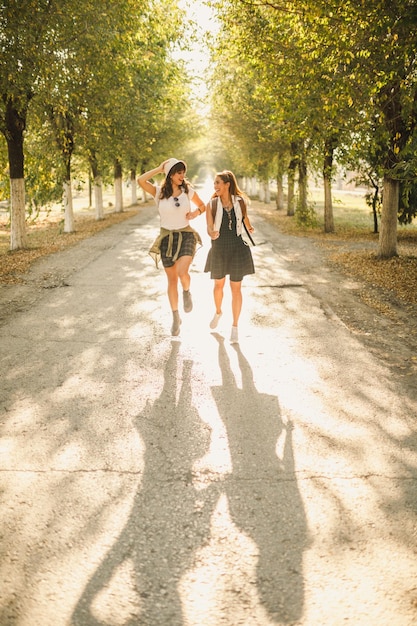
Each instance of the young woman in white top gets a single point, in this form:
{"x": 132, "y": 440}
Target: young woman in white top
{"x": 177, "y": 241}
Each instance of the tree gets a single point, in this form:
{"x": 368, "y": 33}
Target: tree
{"x": 295, "y": 74}
{"x": 24, "y": 43}
{"x": 74, "y": 60}
{"x": 337, "y": 64}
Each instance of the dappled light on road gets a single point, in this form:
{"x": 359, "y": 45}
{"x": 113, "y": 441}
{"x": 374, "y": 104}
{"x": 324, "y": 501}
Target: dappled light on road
{"x": 189, "y": 481}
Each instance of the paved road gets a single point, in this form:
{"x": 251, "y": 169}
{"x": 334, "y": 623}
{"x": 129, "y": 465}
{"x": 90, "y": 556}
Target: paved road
{"x": 187, "y": 482}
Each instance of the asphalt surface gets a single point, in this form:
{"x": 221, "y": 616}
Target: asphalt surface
{"x": 147, "y": 480}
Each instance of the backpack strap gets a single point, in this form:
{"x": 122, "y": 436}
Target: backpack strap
{"x": 213, "y": 204}
{"x": 243, "y": 207}
{"x": 244, "y": 216}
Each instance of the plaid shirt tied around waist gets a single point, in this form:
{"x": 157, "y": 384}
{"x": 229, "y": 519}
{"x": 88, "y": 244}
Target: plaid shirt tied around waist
{"x": 155, "y": 250}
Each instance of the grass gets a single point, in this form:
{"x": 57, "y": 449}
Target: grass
{"x": 352, "y": 247}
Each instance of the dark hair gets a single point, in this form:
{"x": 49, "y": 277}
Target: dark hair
{"x": 228, "y": 177}
{"x": 166, "y": 189}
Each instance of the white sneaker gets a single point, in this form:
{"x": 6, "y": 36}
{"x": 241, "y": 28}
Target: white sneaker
{"x": 215, "y": 320}
{"x": 234, "y": 335}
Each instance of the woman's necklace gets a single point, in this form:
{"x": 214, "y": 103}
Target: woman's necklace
{"x": 228, "y": 210}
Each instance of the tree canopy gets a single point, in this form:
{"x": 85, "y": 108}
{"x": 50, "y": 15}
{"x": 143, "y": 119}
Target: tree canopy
{"x": 332, "y": 75}
{"x": 295, "y": 85}
{"x": 95, "y": 81}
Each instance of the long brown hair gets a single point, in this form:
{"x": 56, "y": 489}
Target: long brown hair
{"x": 228, "y": 177}
{"x": 166, "y": 189}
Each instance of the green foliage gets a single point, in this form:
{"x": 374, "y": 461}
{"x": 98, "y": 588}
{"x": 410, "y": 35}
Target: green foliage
{"x": 92, "y": 80}
{"x": 305, "y": 216}
{"x": 408, "y": 202}
{"x": 306, "y": 71}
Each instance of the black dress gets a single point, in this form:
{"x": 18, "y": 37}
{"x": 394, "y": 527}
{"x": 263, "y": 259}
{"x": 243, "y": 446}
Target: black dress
{"x": 229, "y": 254}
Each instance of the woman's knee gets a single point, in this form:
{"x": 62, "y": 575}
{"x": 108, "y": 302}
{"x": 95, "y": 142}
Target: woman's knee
{"x": 235, "y": 286}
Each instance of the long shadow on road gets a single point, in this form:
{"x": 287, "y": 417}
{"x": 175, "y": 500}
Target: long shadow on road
{"x": 262, "y": 491}
{"x": 171, "y": 525}
{"x": 168, "y": 520}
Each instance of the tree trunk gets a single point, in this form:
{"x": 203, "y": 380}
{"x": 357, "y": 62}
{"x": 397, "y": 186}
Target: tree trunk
{"x": 291, "y": 186}
{"x": 267, "y": 193}
{"x": 68, "y": 207}
{"x": 280, "y": 187}
{"x": 375, "y": 199}
{"x": 387, "y": 247}
{"x": 329, "y": 147}
{"x": 291, "y": 178}
{"x": 15, "y": 121}
{"x": 98, "y": 197}
{"x": 69, "y": 225}
{"x": 62, "y": 123}
{"x": 400, "y": 128}
{"x": 18, "y": 238}
{"x": 328, "y": 206}
{"x": 302, "y": 185}
{"x": 118, "y": 187}
{"x": 133, "y": 187}
{"x": 97, "y": 185}
{"x": 280, "y": 192}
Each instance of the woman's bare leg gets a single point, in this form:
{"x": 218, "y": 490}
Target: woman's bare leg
{"x": 218, "y": 294}
{"x": 172, "y": 290}
{"x": 183, "y": 271}
{"x": 236, "y": 290}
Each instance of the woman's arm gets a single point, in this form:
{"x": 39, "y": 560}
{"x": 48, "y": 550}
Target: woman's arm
{"x": 143, "y": 179}
{"x": 248, "y": 224}
{"x": 214, "y": 234}
{"x": 199, "y": 210}
{"x": 244, "y": 209}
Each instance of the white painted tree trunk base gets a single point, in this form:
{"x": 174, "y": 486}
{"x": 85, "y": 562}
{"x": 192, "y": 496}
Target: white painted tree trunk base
{"x": 118, "y": 194}
{"x": 134, "y": 191}
{"x": 18, "y": 237}
{"x": 68, "y": 208}
{"x": 98, "y": 198}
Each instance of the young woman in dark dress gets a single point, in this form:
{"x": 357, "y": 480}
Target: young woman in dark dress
{"x": 229, "y": 254}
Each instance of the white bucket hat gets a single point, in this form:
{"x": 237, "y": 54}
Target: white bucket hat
{"x": 170, "y": 164}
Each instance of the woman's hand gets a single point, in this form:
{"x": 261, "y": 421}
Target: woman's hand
{"x": 249, "y": 225}
{"x": 191, "y": 215}
{"x": 214, "y": 234}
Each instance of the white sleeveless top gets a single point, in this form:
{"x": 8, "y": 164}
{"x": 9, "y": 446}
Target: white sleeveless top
{"x": 173, "y": 217}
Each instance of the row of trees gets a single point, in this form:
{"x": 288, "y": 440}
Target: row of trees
{"x": 91, "y": 80}
{"x": 298, "y": 83}
{"x": 295, "y": 84}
